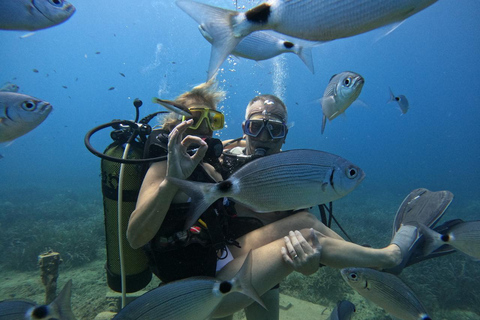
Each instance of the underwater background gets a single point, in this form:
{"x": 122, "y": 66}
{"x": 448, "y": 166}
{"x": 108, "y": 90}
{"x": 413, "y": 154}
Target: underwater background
{"x": 50, "y": 195}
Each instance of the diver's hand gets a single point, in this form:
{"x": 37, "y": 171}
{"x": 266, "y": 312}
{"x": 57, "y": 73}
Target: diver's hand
{"x": 300, "y": 255}
{"x": 179, "y": 163}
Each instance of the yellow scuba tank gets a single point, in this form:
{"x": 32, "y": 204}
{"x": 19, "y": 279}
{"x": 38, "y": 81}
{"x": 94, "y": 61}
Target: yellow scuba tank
{"x": 137, "y": 271}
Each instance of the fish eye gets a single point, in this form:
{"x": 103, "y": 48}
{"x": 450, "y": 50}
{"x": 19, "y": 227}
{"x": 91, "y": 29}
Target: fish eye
{"x": 347, "y": 81}
{"x": 28, "y": 105}
{"x": 353, "y": 276}
{"x": 56, "y": 3}
{"x": 351, "y": 172}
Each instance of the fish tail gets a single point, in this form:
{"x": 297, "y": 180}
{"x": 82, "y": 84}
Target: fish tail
{"x": 218, "y": 23}
{"x": 392, "y": 96}
{"x": 433, "y": 239}
{"x": 202, "y": 195}
{"x": 305, "y": 53}
{"x": 243, "y": 280}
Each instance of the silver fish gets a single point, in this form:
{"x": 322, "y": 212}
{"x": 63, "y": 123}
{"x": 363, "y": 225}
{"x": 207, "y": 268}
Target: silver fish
{"x": 9, "y": 87}
{"x": 344, "y": 310}
{"x": 320, "y": 20}
{"x": 263, "y": 45}
{"x": 287, "y": 180}
{"x": 401, "y": 100}
{"x": 342, "y": 90}
{"x": 19, "y": 114}
{"x": 33, "y": 15}
{"x": 173, "y": 106}
{"x": 387, "y": 291}
{"x": 15, "y": 309}
{"x": 464, "y": 237}
{"x": 192, "y": 298}
{"x": 60, "y": 308}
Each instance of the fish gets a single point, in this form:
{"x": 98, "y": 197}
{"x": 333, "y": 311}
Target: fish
{"x": 342, "y": 90}
{"x": 387, "y": 291}
{"x": 111, "y": 88}
{"x": 173, "y": 106}
{"x": 15, "y": 309}
{"x": 123, "y": 75}
{"x": 60, "y": 308}
{"x": 192, "y": 298}
{"x": 263, "y": 45}
{"x": 344, "y": 310}
{"x": 288, "y": 180}
{"x": 401, "y": 100}
{"x": 320, "y": 20}
{"x": 20, "y": 114}
{"x": 35, "y": 70}
{"x": 9, "y": 87}
{"x": 464, "y": 236}
{"x": 31, "y": 15}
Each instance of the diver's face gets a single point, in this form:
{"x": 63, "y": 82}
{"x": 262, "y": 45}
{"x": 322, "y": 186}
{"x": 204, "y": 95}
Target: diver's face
{"x": 264, "y": 139}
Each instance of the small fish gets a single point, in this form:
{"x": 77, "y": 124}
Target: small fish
{"x": 342, "y": 90}
{"x": 122, "y": 74}
{"x": 464, "y": 236}
{"x": 192, "y": 298}
{"x": 111, "y": 88}
{"x": 98, "y": 52}
{"x": 60, "y": 308}
{"x": 33, "y": 15}
{"x": 20, "y": 114}
{"x": 287, "y": 180}
{"x": 35, "y": 70}
{"x": 320, "y": 20}
{"x": 64, "y": 87}
{"x": 344, "y": 310}
{"x": 401, "y": 101}
{"x": 387, "y": 291}
{"x": 263, "y": 45}
{"x": 9, "y": 87}
{"x": 173, "y": 106}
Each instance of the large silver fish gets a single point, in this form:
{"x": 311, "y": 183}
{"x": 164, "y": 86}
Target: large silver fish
{"x": 15, "y": 309}
{"x": 9, "y": 87}
{"x": 60, "y": 308}
{"x": 263, "y": 45}
{"x": 192, "y": 298}
{"x": 464, "y": 237}
{"x": 33, "y": 14}
{"x": 20, "y": 114}
{"x": 320, "y": 20}
{"x": 401, "y": 100}
{"x": 387, "y": 291}
{"x": 287, "y": 180}
{"x": 342, "y": 90}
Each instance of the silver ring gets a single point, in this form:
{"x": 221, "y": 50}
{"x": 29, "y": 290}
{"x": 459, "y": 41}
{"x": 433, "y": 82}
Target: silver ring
{"x": 296, "y": 256}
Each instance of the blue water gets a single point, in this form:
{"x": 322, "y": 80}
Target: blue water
{"x": 432, "y": 58}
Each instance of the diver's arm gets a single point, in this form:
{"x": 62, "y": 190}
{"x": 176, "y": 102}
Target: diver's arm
{"x": 157, "y": 193}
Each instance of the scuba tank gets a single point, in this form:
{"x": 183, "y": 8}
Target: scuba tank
{"x": 137, "y": 271}
{"x": 122, "y": 172}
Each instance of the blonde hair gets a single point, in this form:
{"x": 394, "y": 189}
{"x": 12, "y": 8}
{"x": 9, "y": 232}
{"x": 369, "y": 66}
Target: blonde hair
{"x": 206, "y": 94}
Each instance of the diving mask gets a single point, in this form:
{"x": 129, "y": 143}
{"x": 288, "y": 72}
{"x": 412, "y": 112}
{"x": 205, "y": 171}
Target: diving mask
{"x": 277, "y": 129}
{"x": 214, "y": 118}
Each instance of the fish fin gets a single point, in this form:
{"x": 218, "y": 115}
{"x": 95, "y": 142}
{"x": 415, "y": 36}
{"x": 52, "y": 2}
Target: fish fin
{"x": 202, "y": 195}
{"x": 388, "y": 29}
{"x": 244, "y": 278}
{"x": 62, "y": 303}
{"x": 392, "y": 96}
{"x": 305, "y": 54}
{"x": 324, "y": 122}
{"x": 433, "y": 239}
{"x": 217, "y": 22}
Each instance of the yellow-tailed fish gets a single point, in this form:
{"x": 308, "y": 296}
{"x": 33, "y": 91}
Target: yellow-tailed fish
{"x": 173, "y": 106}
